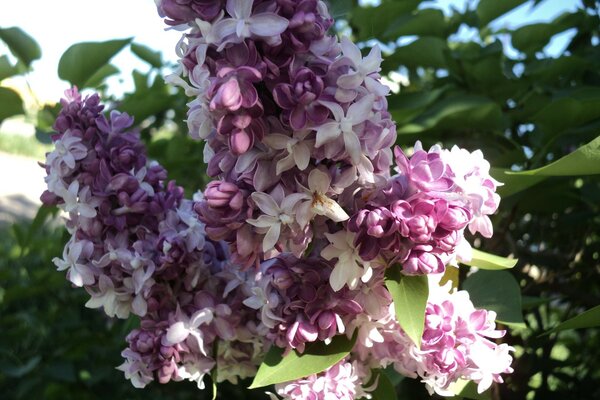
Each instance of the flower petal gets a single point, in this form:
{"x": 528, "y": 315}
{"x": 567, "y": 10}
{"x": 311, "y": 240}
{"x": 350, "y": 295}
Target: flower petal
{"x": 327, "y": 132}
{"x": 361, "y": 110}
{"x": 266, "y": 203}
{"x": 271, "y": 238}
{"x": 267, "y": 24}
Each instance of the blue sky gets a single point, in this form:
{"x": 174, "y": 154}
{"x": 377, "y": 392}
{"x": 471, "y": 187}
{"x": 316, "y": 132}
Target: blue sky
{"x": 58, "y": 24}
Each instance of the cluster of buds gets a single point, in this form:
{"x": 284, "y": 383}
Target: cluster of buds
{"x": 291, "y": 241}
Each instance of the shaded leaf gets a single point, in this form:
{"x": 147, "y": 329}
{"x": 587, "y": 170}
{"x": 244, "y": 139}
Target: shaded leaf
{"x": 145, "y": 53}
{"x": 460, "y": 111}
{"x": 6, "y": 68}
{"x": 489, "y": 10}
{"x": 385, "y": 389}
{"x": 425, "y": 22}
{"x": 484, "y": 260}
{"x": 82, "y": 60}
{"x": 497, "y": 291}
{"x": 424, "y": 52}
{"x": 10, "y": 103}
{"x": 317, "y": 357}
{"x": 410, "y": 293}
{"x": 21, "y": 45}
{"x": 369, "y": 22}
{"x": 587, "y": 319}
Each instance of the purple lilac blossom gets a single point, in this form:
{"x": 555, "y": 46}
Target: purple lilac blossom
{"x": 290, "y": 242}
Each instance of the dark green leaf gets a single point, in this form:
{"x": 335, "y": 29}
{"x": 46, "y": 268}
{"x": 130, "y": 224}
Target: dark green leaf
{"x": 21, "y": 370}
{"x": 21, "y": 45}
{"x": 10, "y": 103}
{"x": 370, "y": 22}
{"x": 424, "y": 52}
{"x": 317, "y": 357}
{"x": 587, "y": 319}
{"x": 489, "y": 10}
{"x": 460, "y": 111}
{"x": 146, "y": 54}
{"x": 385, "y": 389}
{"x": 82, "y": 60}
{"x": 6, "y": 68}
{"x": 570, "y": 108}
{"x": 485, "y": 260}
{"x": 497, "y": 291}
{"x": 410, "y": 293}
{"x": 425, "y": 22}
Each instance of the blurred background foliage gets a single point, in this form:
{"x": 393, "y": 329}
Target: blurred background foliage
{"x": 457, "y": 79}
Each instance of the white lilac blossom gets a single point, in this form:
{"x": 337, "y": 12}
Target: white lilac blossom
{"x": 292, "y": 239}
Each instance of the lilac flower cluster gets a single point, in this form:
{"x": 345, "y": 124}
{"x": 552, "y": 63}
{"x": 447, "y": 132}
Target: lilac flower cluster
{"x": 457, "y": 343}
{"x": 138, "y": 247}
{"x": 298, "y": 139}
{"x": 290, "y": 243}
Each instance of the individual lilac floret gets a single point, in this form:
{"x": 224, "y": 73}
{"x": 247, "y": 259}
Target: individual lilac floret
{"x": 298, "y": 305}
{"x": 179, "y": 12}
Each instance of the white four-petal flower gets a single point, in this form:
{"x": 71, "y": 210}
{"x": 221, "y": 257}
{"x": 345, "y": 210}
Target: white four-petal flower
{"x": 297, "y": 147}
{"x": 350, "y": 268}
{"x": 344, "y": 123}
{"x": 274, "y": 216}
{"x": 316, "y": 201}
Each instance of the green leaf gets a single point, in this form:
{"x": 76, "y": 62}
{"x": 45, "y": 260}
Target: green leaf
{"x": 534, "y": 37}
{"x": 489, "y": 10}
{"x": 512, "y": 183}
{"x": 587, "y": 319}
{"x": 426, "y": 51}
{"x": 21, "y": 45}
{"x": 100, "y": 76}
{"x": 426, "y": 22}
{"x": 317, "y": 357}
{"x": 497, "y": 291}
{"x": 372, "y": 22}
{"x": 583, "y": 161}
{"x": 21, "y": 370}
{"x": 385, "y": 389}
{"x": 10, "y": 103}
{"x": 410, "y": 293}
{"x": 485, "y": 260}
{"x": 82, "y": 60}
{"x": 457, "y": 112}
{"x": 468, "y": 390}
{"x": 147, "y": 100}
{"x": 147, "y": 54}
{"x": 569, "y": 109}
{"x": 6, "y": 68}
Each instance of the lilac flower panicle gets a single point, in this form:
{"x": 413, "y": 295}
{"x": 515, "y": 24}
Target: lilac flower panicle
{"x": 290, "y": 242}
